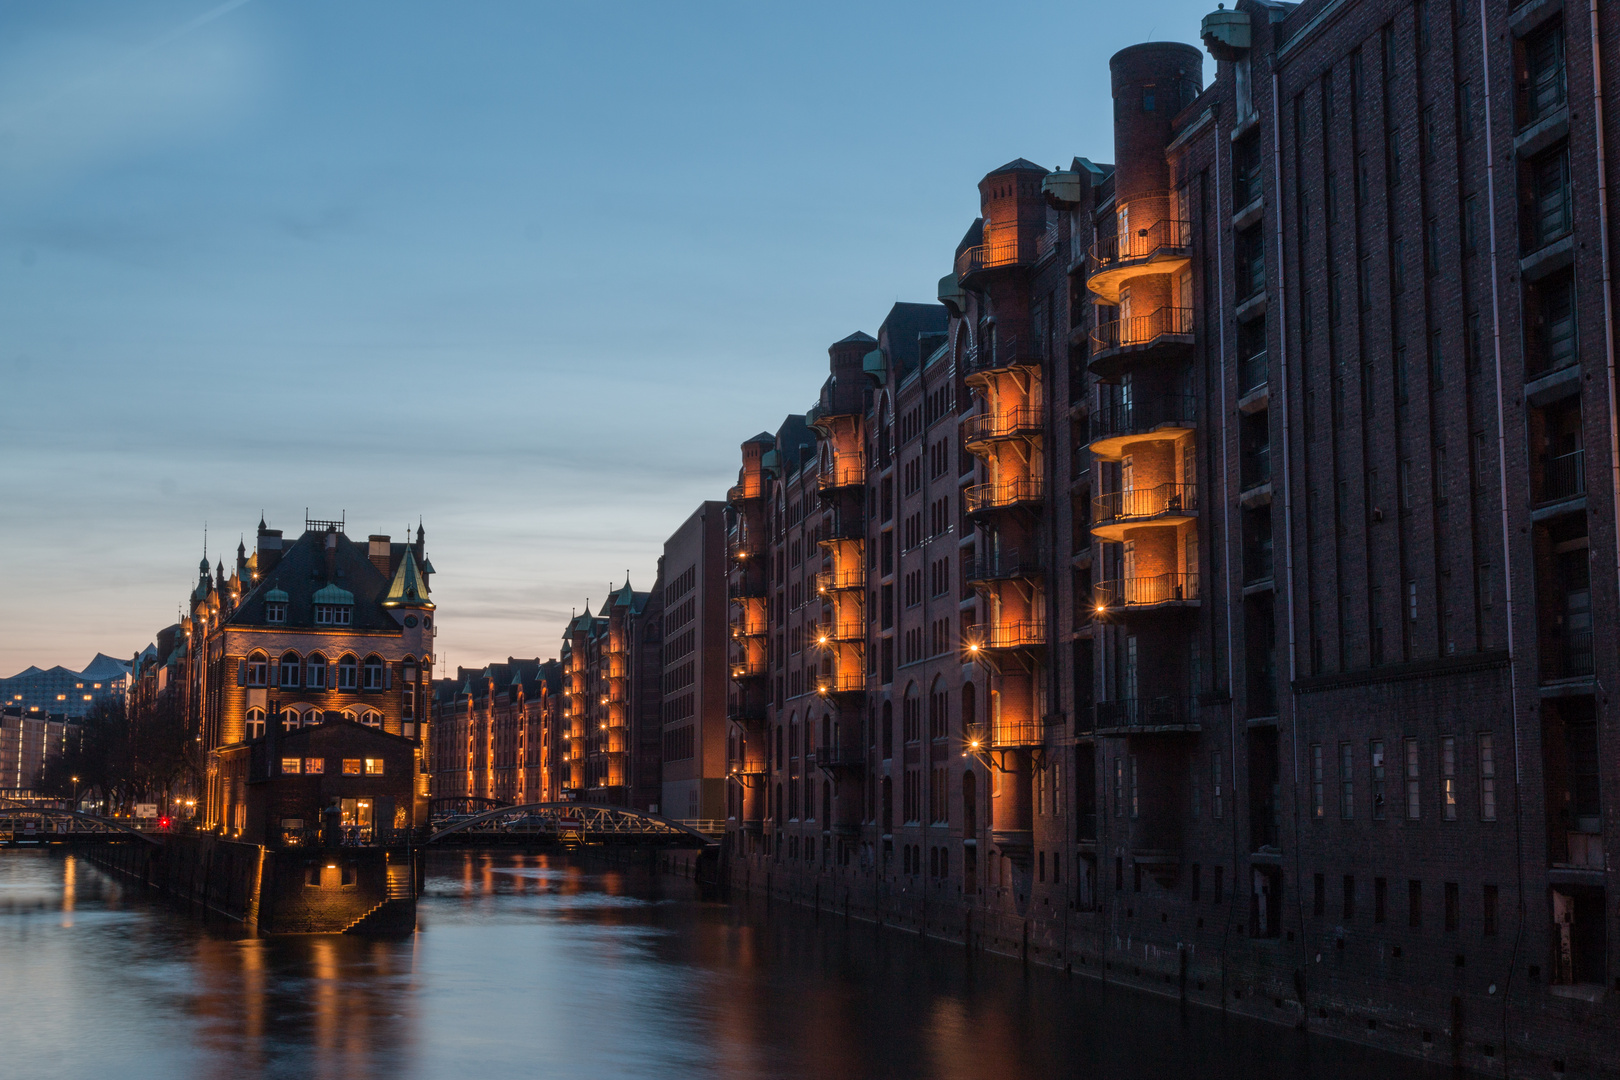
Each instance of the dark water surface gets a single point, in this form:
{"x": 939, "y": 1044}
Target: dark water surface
{"x": 529, "y": 966}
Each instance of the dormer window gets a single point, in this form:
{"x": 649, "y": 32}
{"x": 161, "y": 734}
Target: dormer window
{"x": 275, "y": 611}
{"x": 333, "y": 614}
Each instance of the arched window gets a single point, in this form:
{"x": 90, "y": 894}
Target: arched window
{"x": 351, "y": 716}
{"x": 290, "y": 671}
{"x": 255, "y": 723}
{"x": 970, "y": 805}
{"x": 346, "y": 673}
{"x": 409, "y": 669}
{"x": 374, "y": 673}
{"x": 290, "y": 719}
{"x": 371, "y": 718}
{"x": 888, "y": 729}
{"x": 826, "y": 800}
{"x": 316, "y": 664}
{"x": 938, "y": 705}
{"x": 258, "y": 670}
{"x": 780, "y": 760}
{"x": 911, "y": 713}
{"x": 776, "y": 810}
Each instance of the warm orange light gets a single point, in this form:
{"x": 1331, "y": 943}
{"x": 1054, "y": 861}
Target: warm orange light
{"x": 1101, "y": 608}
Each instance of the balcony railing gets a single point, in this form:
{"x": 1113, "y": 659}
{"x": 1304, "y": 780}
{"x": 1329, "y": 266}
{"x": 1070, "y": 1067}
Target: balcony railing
{"x": 742, "y": 545}
{"x": 999, "y": 352}
{"x": 1563, "y": 476}
{"x": 1135, "y": 245}
{"x": 841, "y": 682}
{"x": 1259, "y": 562}
{"x": 846, "y": 526}
{"x": 1141, "y": 329}
{"x": 1146, "y": 591}
{"x": 1007, "y": 733}
{"x": 983, "y": 497}
{"x": 752, "y": 488}
{"x": 1004, "y": 425}
{"x": 747, "y": 587}
{"x": 748, "y": 669}
{"x": 841, "y": 758}
{"x": 1022, "y": 634}
{"x": 1144, "y": 415}
{"x": 849, "y": 630}
{"x": 1253, "y": 372}
{"x": 848, "y": 470}
{"x": 1166, "y": 711}
{"x": 829, "y": 581}
{"x": 745, "y": 710}
{"x": 1003, "y": 246}
{"x": 1146, "y": 502}
{"x": 1006, "y": 565}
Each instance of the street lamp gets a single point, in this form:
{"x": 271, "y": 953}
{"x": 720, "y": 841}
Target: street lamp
{"x": 75, "y": 793}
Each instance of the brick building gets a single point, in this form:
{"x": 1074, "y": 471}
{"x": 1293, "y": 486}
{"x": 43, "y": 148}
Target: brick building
{"x": 695, "y": 632}
{"x": 1210, "y": 591}
{"x": 495, "y": 730}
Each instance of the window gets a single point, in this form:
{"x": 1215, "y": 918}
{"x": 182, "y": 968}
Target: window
{"x": 374, "y": 766}
{"x": 1487, "y": 776}
{"x": 255, "y": 723}
{"x": 290, "y": 671}
{"x": 257, "y": 669}
{"x": 346, "y": 673}
{"x": 1347, "y": 782}
{"x": 1251, "y": 263}
{"x": 316, "y": 676}
{"x": 1136, "y": 797}
{"x": 351, "y": 766}
{"x": 1413, "y": 803}
{"x": 371, "y": 718}
{"x": 314, "y": 766}
{"x": 1448, "y": 777}
{"x": 290, "y": 765}
{"x": 333, "y": 614}
{"x": 1316, "y": 781}
{"x": 1376, "y": 750}
{"x": 275, "y": 611}
{"x": 374, "y": 673}
{"x": 1543, "y": 86}
{"x": 290, "y": 719}
{"x": 1550, "y": 214}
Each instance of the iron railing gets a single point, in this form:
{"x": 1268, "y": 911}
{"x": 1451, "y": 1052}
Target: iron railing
{"x": 1019, "y": 634}
{"x": 1003, "y": 245}
{"x": 982, "y": 497}
{"x": 848, "y": 470}
{"x": 1141, "y": 329}
{"x": 1253, "y": 372}
{"x": 1146, "y": 590}
{"x": 837, "y": 580}
{"x": 1146, "y": 712}
{"x": 1003, "y": 425}
{"x": 1006, "y": 565}
{"x": 1112, "y": 249}
{"x": 1563, "y": 476}
{"x": 841, "y": 682}
{"x": 1146, "y": 502}
{"x": 999, "y": 352}
{"x": 1143, "y": 415}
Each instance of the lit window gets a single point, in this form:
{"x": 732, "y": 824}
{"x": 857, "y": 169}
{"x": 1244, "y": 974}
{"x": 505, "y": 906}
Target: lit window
{"x": 290, "y": 764}
{"x": 371, "y": 719}
{"x": 314, "y": 766}
{"x": 351, "y": 766}
{"x": 87, "y": 697}
{"x": 255, "y": 724}
{"x": 374, "y": 766}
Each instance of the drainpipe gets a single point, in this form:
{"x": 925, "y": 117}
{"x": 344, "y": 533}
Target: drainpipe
{"x": 1288, "y": 519}
{"x": 1507, "y": 531}
{"x": 1226, "y": 548}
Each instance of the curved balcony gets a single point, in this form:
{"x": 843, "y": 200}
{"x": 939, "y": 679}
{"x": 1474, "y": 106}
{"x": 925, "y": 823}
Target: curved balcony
{"x": 1168, "y": 416}
{"x": 1026, "y": 493}
{"x": 831, "y": 581}
{"x": 1000, "y": 353}
{"x": 1161, "y": 248}
{"x": 1008, "y": 635}
{"x": 749, "y": 490}
{"x": 981, "y": 431}
{"x": 844, "y": 527}
{"x": 1165, "y": 504}
{"x": 1165, "y": 715}
{"x": 848, "y": 471}
{"x": 745, "y": 670}
{"x": 841, "y": 682}
{"x": 747, "y": 587}
{"x": 1005, "y": 566}
{"x": 1165, "y": 334}
{"x": 746, "y": 709}
{"x": 1004, "y": 734}
{"x": 741, "y": 546}
{"x": 1005, "y": 248}
{"x": 845, "y": 631}
{"x": 1145, "y": 593}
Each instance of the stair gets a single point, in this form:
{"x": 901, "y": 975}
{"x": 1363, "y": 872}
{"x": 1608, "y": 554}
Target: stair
{"x": 401, "y": 882}
{"x": 399, "y": 900}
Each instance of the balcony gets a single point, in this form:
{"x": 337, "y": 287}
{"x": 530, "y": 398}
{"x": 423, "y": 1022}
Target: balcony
{"x": 848, "y": 630}
{"x": 1164, "y": 715}
{"x": 1563, "y": 476}
{"x": 1166, "y": 334}
{"x": 742, "y": 546}
{"x": 1164, "y": 504}
{"x": 1008, "y": 495}
{"x": 1000, "y": 353}
{"x": 749, "y": 490}
{"x": 747, "y": 669}
{"x": 979, "y": 431}
{"x": 841, "y": 682}
{"x": 841, "y": 759}
{"x": 745, "y": 709}
{"x": 831, "y": 581}
{"x": 1005, "y": 248}
{"x": 1009, "y": 634}
{"x": 1005, "y": 734}
{"x": 1167, "y": 416}
{"x": 747, "y": 587}
{"x": 1006, "y": 566}
{"x": 1145, "y": 593}
{"x": 848, "y": 470}
{"x": 1161, "y": 248}
{"x": 844, "y": 526}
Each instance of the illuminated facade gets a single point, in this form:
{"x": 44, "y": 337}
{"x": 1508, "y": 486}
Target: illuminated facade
{"x": 494, "y": 732}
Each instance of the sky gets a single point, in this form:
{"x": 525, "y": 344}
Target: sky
{"x": 526, "y": 272}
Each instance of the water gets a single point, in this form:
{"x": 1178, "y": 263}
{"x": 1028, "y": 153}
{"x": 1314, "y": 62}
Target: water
{"x": 537, "y": 967}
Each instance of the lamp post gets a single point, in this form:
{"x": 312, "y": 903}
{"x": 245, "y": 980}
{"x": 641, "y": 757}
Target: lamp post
{"x": 75, "y": 793}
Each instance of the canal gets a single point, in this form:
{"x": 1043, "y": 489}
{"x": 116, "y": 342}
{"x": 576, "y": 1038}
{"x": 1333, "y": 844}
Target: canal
{"x": 534, "y": 966}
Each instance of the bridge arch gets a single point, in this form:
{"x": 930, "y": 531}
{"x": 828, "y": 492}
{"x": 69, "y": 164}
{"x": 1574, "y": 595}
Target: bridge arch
{"x": 590, "y": 820}
{"x": 15, "y": 810}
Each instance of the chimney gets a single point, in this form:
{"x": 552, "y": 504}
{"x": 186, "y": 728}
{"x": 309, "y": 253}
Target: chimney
{"x": 380, "y": 552}
{"x": 331, "y": 553}
{"x": 269, "y": 550}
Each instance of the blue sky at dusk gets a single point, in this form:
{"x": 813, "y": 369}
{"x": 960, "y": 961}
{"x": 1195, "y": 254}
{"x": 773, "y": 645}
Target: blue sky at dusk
{"x": 528, "y": 271}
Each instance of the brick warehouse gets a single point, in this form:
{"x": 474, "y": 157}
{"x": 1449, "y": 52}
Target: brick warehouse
{"x": 1039, "y": 644}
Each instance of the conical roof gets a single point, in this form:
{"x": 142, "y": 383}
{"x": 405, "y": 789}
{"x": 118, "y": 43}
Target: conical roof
{"x": 409, "y": 588}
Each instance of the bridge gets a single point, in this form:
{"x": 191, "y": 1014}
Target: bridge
{"x": 567, "y": 824}
{"x": 21, "y": 822}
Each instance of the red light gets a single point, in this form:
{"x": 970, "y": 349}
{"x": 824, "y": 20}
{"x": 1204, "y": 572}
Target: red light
{"x": 163, "y": 823}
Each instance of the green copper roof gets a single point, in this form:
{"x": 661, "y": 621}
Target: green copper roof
{"x": 331, "y": 594}
{"x": 409, "y": 588}
{"x": 276, "y": 596}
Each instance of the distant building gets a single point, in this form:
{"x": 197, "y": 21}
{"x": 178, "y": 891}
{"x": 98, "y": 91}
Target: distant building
{"x": 29, "y": 742}
{"x": 695, "y": 635}
{"x": 494, "y": 732}
{"x": 66, "y": 692}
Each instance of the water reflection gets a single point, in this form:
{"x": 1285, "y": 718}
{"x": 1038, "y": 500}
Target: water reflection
{"x": 538, "y": 967}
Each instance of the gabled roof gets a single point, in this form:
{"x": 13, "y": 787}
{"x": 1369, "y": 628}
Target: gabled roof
{"x": 859, "y": 337}
{"x": 1019, "y": 165}
{"x": 303, "y": 577}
